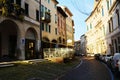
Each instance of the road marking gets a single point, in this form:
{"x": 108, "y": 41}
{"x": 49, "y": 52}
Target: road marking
{"x": 81, "y": 61}
{"x": 111, "y": 74}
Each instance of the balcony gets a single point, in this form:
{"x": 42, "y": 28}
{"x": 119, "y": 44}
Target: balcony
{"x": 12, "y": 10}
{"x": 46, "y": 18}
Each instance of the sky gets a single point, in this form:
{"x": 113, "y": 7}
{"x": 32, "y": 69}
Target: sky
{"x": 79, "y": 9}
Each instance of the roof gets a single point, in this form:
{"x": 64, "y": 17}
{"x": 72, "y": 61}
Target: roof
{"x": 55, "y": 1}
{"x": 61, "y": 11}
{"x": 69, "y": 12}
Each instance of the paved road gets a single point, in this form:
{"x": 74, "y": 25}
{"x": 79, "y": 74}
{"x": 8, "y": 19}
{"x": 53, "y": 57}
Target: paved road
{"x": 89, "y": 69}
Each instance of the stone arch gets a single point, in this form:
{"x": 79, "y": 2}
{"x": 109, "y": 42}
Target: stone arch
{"x": 45, "y": 39}
{"x": 31, "y": 37}
{"x": 54, "y": 41}
{"x": 31, "y": 33}
{"x": 45, "y": 42}
{"x": 9, "y": 31}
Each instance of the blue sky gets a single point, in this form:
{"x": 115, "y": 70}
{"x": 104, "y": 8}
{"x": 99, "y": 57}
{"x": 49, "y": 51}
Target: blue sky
{"x": 76, "y": 6}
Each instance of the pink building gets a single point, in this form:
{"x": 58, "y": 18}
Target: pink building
{"x": 61, "y": 26}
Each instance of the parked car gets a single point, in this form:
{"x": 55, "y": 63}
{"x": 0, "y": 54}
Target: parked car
{"x": 119, "y": 65}
{"x": 107, "y": 58}
{"x": 102, "y": 57}
{"x": 90, "y": 54}
{"x": 97, "y": 56}
{"x": 115, "y": 64}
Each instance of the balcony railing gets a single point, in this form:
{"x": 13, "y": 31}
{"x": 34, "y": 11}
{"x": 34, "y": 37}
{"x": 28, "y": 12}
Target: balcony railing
{"x": 46, "y": 18}
{"x": 11, "y": 10}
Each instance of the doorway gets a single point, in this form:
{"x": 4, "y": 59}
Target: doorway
{"x": 30, "y": 49}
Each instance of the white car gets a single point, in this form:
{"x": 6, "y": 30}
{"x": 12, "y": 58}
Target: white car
{"x": 119, "y": 65}
{"x": 107, "y": 58}
{"x": 116, "y": 62}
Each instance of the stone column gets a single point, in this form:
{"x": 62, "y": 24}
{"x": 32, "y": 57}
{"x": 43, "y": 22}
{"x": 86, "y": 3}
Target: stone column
{"x": 20, "y": 46}
{"x": 37, "y": 48}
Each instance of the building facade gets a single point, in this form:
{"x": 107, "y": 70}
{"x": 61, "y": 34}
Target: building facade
{"x": 102, "y": 27}
{"x": 26, "y": 26}
{"x": 49, "y": 23}
{"x": 61, "y": 26}
{"x": 83, "y": 44}
{"x": 19, "y": 29}
{"x": 77, "y": 47}
{"x": 69, "y": 27}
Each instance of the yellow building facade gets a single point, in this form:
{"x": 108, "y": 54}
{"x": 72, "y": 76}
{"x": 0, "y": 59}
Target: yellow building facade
{"x": 99, "y": 24}
{"x": 49, "y": 23}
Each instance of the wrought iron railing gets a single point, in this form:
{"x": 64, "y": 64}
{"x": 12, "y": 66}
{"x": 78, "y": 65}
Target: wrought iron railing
{"x": 11, "y": 10}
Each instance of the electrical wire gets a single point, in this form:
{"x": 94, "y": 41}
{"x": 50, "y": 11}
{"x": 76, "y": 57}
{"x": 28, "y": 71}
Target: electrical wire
{"x": 76, "y": 5}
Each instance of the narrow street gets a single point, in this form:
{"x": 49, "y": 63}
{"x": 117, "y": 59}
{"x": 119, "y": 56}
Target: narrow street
{"x": 89, "y": 69}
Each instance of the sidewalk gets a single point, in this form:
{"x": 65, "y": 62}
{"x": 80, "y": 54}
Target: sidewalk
{"x": 12, "y": 63}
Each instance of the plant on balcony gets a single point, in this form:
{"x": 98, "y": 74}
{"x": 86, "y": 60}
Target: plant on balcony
{"x": 3, "y": 8}
{"x": 17, "y": 11}
{"x": 13, "y": 9}
{"x": 47, "y": 12}
{"x": 47, "y": 16}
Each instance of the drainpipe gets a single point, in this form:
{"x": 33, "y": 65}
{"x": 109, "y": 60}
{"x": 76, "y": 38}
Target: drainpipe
{"x": 41, "y": 47}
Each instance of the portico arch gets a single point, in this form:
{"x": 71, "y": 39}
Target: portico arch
{"x": 30, "y": 44}
{"x": 8, "y": 39}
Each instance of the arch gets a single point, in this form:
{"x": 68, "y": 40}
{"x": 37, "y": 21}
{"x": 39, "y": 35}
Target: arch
{"x": 8, "y": 38}
{"x": 45, "y": 42}
{"x": 54, "y": 41}
{"x": 30, "y": 44}
{"x": 8, "y": 24}
{"x": 63, "y": 41}
{"x": 31, "y": 34}
{"x": 45, "y": 39}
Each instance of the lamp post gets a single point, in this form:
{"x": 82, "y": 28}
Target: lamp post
{"x": 41, "y": 48}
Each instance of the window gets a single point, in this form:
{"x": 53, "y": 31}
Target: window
{"x": 116, "y": 46}
{"x": 56, "y": 31}
{"x": 45, "y": 9}
{"x": 49, "y": 29}
{"x": 119, "y": 40}
{"x": 42, "y": 10}
{"x": 109, "y": 27}
{"x": 111, "y": 21}
{"x": 55, "y": 6}
{"x": 108, "y": 4}
{"x": 42, "y": 26}
{"x": 48, "y": 1}
{"x": 87, "y": 27}
{"x": 37, "y": 15}
{"x": 18, "y": 2}
{"x": 90, "y": 26}
{"x": 118, "y": 20}
{"x": 55, "y": 18}
{"x": 26, "y": 9}
{"x": 102, "y": 11}
{"x": 11, "y": 1}
{"x": 58, "y": 21}
{"x": 48, "y": 10}
{"x": 46, "y": 27}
